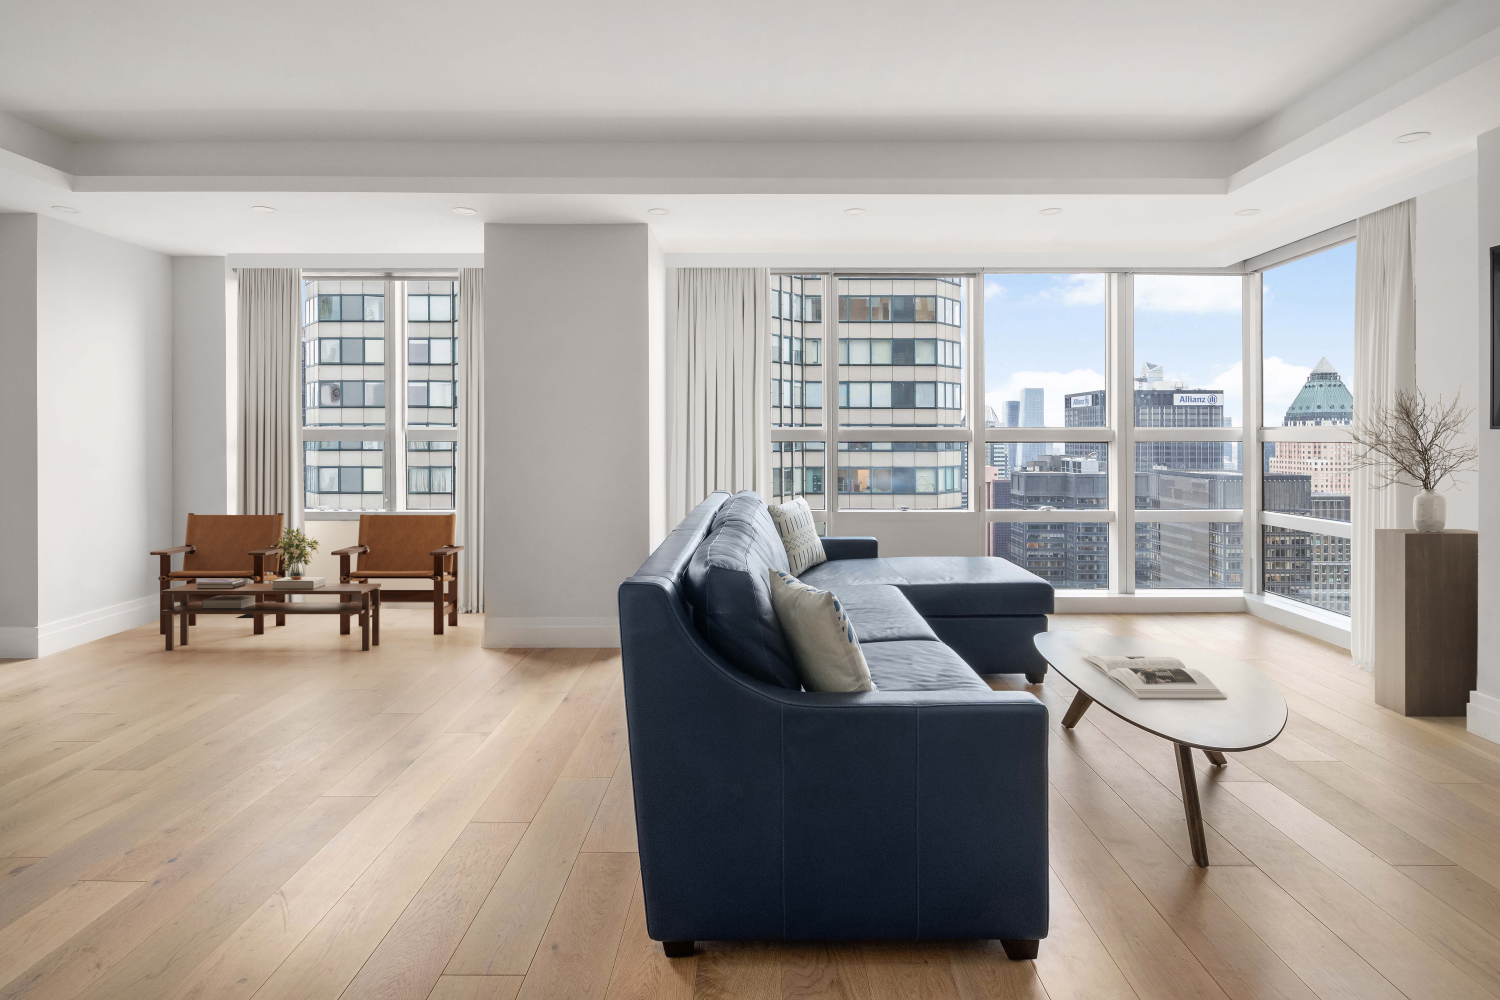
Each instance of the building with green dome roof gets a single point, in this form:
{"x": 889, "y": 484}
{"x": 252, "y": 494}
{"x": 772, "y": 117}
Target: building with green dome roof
{"x": 1324, "y": 399}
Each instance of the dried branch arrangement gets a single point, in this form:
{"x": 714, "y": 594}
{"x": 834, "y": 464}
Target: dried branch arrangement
{"x": 1414, "y": 442}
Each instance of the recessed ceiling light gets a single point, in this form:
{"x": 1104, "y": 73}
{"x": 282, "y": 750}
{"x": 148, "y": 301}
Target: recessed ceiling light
{"x": 1413, "y": 137}
{"x": 461, "y": 210}
{"x": 658, "y": 211}
{"x": 854, "y": 211}
{"x": 1052, "y": 211}
{"x": 262, "y": 209}
{"x": 65, "y": 208}
{"x": 1248, "y": 211}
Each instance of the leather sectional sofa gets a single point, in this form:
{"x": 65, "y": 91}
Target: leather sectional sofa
{"x": 764, "y": 812}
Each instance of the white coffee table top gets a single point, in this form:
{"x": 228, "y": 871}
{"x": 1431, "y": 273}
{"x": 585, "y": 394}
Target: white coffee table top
{"x": 1252, "y": 713}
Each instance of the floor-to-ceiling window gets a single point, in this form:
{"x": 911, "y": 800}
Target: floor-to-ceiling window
{"x": 380, "y": 393}
{"x": 997, "y": 400}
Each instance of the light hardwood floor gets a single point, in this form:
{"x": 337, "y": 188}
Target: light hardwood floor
{"x": 285, "y": 816}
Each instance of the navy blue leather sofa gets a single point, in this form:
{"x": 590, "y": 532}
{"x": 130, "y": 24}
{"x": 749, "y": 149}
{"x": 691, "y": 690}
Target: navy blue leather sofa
{"x": 765, "y": 812}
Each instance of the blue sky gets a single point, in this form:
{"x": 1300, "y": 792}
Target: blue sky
{"x": 1047, "y": 330}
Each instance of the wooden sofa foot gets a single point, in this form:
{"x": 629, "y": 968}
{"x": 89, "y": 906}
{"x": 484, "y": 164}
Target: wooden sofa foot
{"x": 1036, "y": 678}
{"x": 1021, "y": 950}
{"x": 677, "y": 949}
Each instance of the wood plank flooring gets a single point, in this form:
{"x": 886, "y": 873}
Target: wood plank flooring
{"x": 284, "y": 816}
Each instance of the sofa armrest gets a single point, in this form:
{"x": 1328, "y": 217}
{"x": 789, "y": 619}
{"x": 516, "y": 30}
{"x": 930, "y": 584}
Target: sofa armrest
{"x": 851, "y": 547}
{"x": 945, "y": 794}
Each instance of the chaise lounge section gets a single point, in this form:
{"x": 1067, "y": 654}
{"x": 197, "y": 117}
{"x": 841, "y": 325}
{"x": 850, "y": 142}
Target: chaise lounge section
{"x": 765, "y": 812}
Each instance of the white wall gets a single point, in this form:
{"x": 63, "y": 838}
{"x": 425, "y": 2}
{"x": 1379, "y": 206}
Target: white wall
{"x": 567, "y": 329}
{"x": 104, "y": 419}
{"x": 204, "y": 425}
{"x": 1484, "y": 703}
{"x": 18, "y": 387}
{"x": 1448, "y": 297}
{"x": 86, "y": 324}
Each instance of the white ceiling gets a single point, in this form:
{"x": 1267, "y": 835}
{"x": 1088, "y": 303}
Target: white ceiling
{"x": 952, "y": 123}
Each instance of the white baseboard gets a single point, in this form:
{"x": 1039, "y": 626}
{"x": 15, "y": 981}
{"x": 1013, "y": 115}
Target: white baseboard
{"x": 583, "y": 633}
{"x": 28, "y": 643}
{"x": 1484, "y": 716}
{"x": 1331, "y": 628}
{"x": 1160, "y": 602}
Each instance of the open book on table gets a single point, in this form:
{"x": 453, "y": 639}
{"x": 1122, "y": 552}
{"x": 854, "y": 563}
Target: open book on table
{"x": 1156, "y": 677}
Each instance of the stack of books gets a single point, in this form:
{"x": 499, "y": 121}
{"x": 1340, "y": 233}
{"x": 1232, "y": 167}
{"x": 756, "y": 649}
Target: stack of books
{"x": 1156, "y": 676}
{"x": 220, "y": 583}
{"x": 235, "y": 601}
{"x": 298, "y": 583}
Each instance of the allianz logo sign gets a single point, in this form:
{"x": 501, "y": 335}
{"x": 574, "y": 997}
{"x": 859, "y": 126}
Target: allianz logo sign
{"x": 1197, "y": 399}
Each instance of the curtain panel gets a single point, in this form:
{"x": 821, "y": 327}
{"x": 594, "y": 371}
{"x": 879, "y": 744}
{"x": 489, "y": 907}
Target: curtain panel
{"x": 270, "y": 356}
{"x": 1385, "y": 360}
{"x": 719, "y": 411}
{"x": 471, "y": 440}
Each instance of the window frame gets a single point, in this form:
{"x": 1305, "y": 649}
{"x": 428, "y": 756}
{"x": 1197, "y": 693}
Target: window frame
{"x": 396, "y": 433}
{"x": 1119, "y": 432}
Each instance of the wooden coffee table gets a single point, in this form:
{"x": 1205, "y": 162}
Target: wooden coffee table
{"x": 362, "y": 599}
{"x": 1252, "y": 714}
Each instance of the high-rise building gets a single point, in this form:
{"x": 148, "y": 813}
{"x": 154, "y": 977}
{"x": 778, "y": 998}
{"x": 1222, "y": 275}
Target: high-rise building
{"x": 1163, "y": 408}
{"x": 1150, "y": 373}
{"x": 1323, "y": 400}
{"x": 1068, "y": 554}
{"x": 1033, "y": 414}
{"x": 1013, "y": 419}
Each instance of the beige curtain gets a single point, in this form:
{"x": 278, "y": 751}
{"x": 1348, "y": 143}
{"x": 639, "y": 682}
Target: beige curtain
{"x": 718, "y": 375}
{"x": 1385, "y": 359}
{"x": 270, "y": 355}
{"x": 471, "y": 439}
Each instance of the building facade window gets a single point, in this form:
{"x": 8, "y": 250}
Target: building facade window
{"x": 1024, "y": 383}
{"x": 380, "y": 393}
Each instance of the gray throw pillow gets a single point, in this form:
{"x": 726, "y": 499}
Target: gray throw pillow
{"x": 822, "y": 638}
{"x": 799, "y": 536}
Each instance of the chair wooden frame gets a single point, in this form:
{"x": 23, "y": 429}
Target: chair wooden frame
{"x": 444, "y": 570}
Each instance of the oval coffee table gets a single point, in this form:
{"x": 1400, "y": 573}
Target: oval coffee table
{"x": 1252, "y": 713}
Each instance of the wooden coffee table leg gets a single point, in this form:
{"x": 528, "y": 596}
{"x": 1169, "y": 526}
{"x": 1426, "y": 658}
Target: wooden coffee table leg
{"x": 364, "y": 622}
{"x": 1081, "y": 703}
{"x": 182, "y": 640}
{"x": 1215, "y": 758}
{"x": 1190, "y": 806}
{"x": 166, "y": 627}
{"x": 344, "y": 618}
{"x": 375, "y": 614}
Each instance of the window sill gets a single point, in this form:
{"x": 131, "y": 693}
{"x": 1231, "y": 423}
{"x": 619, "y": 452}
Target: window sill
{"x": 1325, "y": 625}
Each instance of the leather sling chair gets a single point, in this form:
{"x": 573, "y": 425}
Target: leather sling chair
{"x": 407, "y": 548}
{"x": 242, "y": 546}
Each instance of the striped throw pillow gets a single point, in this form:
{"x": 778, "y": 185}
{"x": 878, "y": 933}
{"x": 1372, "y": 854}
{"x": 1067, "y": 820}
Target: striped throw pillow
{"x": 799, "y": 536}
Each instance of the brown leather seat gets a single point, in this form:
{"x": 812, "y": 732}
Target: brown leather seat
{"x": 409, "y": 547}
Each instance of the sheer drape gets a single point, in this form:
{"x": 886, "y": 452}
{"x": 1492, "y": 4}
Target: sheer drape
{"x": 719, "y": 373}
{"x": 471, "y": 439}
{"x": 1384, "y": 361}
{"x": 270, "y": 348}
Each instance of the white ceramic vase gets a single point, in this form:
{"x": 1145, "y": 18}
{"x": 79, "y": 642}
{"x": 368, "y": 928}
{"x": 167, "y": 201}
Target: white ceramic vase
{"x": 1429, "y": 511}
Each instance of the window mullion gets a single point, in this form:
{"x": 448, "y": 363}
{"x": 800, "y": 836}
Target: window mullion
{"x": 395, "y": 394}
{"x": 1121, "y": 416}
{"x": 1251, "y": 462}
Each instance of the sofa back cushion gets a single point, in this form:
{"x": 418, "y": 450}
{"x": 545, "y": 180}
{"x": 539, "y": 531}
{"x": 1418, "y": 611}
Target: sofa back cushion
{"x": 728, "y": 584}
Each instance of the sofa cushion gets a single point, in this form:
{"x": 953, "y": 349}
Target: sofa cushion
{"x": 850, "y": 573}
{"x": 918, "y": 665}
{"x": 883, "y": 614}
{"x": 727, "y": 583}
{"x": 941, "y": 586}
{"x": 749, "y": 511}
{"x": 819, "y": 633}
{"x": 971, "y": 585}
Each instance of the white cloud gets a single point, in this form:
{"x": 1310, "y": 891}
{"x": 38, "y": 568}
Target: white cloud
{"x": 1194, "y": 293}
{"x": 1078, "y": 290}
{"x": 1282, "y": 382}
{"x": 993, "y": 290}
{"x": 1056, "y": 385}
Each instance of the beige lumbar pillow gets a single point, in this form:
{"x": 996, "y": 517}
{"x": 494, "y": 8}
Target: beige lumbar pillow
{"x": 799, "y": 536}
{"x": 821, "y": 636}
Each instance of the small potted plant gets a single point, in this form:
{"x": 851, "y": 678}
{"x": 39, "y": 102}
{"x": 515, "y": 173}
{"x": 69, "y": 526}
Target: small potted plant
{"x": 1416, "y": 443}
{"x": 296, "y": 550}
